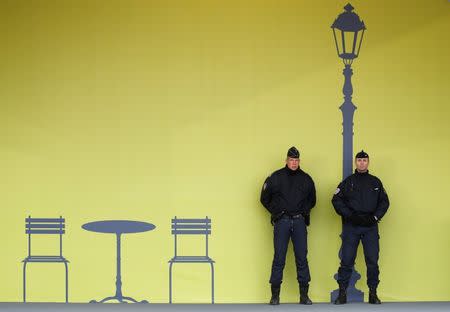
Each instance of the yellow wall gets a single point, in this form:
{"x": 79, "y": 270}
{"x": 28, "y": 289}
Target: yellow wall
{"x": 148, "y": 109}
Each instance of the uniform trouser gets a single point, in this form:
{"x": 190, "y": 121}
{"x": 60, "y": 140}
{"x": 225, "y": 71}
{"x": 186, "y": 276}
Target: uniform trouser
{"x": 351, "y": 235}
{"x": 285, "y": 229}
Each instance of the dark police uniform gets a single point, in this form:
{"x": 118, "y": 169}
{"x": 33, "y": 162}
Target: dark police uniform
{"x": 361, "y": 201}
{"x": 289, "y": 196}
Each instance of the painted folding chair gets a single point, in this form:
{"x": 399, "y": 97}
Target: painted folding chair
{"x": 191, "y": 227}
{"x": 43, "y": 227}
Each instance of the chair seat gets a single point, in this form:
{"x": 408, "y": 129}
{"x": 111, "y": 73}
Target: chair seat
{"x": 45, "y": 259}
{"x": 191, "y": 259}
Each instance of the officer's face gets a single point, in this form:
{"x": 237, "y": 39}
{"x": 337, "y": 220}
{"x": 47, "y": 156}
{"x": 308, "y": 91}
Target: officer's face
{"x": 292, "y": 163}
{"x": 362, "y": 164}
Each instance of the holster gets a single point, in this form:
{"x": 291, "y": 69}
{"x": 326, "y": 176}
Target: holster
{"x": 307, "y": 218}
{"x": 276, "y": 216}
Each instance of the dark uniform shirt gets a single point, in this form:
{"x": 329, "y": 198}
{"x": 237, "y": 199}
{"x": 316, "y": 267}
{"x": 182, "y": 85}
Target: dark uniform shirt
{"x": 361, "y": 194}
{"x": 288, "y": 191}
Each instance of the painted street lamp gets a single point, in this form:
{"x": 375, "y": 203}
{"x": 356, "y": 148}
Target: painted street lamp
{"x": 348, "y": 31}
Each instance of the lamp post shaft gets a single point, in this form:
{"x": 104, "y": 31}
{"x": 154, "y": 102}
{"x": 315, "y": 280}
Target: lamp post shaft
{"x": 348, "y": 109}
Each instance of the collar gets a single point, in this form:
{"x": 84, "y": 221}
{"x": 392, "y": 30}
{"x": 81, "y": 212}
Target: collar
{"x": 361, "y": 173}
{"x": 291, "y": 172}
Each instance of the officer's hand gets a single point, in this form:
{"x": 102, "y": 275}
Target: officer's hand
{"x": 369, "y": 220}
{"x": 356, "y": 219}
{"x": 307, "y": 219}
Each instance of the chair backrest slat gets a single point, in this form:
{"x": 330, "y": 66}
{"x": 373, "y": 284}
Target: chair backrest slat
{"x": 40, "y": 231}
{"x": 43, "y": 220}
{"x": 44, "y": 226}
{"x": 191, "y": 232}
{"x": 180, "y": 221}
{"x": 191, "y": 226}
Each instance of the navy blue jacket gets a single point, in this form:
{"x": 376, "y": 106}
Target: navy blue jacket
{"x": 362, "y": 194}
{"x": 288, "y": 191}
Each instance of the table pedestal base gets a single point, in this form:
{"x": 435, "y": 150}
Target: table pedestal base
{"x": 119, "y": 299}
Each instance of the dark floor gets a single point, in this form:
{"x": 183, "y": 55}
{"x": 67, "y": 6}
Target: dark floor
{"x": 321, "y": 307}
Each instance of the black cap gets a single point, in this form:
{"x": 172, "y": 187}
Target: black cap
{"x": 293, "y": 153}
{"x": 362, "y": 154}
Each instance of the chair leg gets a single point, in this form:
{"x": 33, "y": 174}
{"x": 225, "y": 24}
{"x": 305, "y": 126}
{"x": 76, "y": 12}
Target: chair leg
{"x": 67, "y": 283}
{"x": 212, "y": 283}
{"x": 24, "y": 281}
{"x": 170, "y": 282}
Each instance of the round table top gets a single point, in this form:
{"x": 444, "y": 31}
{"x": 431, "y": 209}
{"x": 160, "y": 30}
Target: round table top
{"x": 118, "y": 226}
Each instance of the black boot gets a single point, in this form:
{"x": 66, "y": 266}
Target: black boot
{"x": 275, "y": 300}
{"x": 304, "y": 299}
{"x": 342, "y": 297}
{"x": 373, "y": 298}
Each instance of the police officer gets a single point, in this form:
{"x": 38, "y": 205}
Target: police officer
{"x": 289, "y": 194}
{"x": 361, "y": 201}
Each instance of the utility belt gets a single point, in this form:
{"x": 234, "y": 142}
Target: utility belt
{"x": 296, "y": 216}
{"x": 274, "y": 218}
